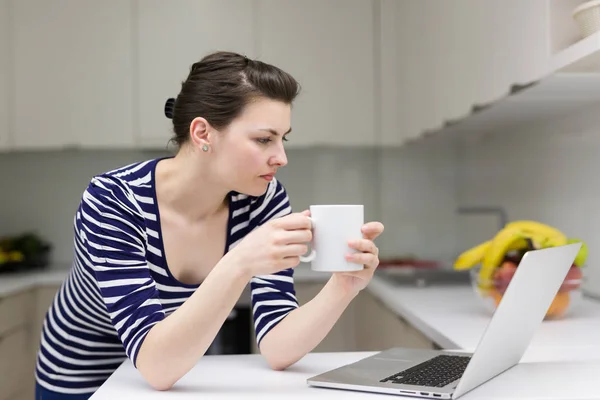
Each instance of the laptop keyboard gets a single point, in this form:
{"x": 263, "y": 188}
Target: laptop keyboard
{"x": 436, "y": 372}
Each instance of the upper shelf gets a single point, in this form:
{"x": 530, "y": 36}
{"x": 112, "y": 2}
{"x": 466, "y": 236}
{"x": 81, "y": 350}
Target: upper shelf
{"x": 555, "y": 95}
{"x": 571, "y": 83}
{"x": 581, "y": 57}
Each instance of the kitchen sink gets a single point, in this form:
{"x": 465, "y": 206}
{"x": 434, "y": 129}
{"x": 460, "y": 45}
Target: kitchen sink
{"x": 422, "y": 277}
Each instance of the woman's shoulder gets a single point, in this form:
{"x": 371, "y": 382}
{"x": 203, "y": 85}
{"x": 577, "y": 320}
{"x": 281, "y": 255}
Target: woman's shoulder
{"x": 123, "y": 188}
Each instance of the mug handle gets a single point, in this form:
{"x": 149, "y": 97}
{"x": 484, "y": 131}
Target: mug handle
{"x": 313, "y": 253}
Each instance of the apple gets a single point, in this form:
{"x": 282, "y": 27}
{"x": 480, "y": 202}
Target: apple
{"x": 572, "y": 280}
{"x": 503, "y": 275}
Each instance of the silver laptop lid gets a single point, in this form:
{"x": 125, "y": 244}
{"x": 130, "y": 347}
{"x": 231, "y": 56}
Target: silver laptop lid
{"x": 519, "y": 314}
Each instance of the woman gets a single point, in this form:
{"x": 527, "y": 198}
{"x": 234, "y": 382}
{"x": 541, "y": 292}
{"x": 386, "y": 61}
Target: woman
{"x": 147, "y": 234}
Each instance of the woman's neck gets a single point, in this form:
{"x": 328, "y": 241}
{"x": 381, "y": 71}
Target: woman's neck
{"x": 186, "y": 188}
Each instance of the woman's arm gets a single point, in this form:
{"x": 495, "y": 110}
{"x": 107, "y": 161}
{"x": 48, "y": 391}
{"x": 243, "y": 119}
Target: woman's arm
{"x": 305, "y": 327}
{"x": 174, "y": 345}
{"x": 110, "y": 230}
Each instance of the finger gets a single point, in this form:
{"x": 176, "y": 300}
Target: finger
{"x": 294, "y": 250}
{"x": 293, "y": 221}
{"x": 363, "y": 258}
{"x": 372, "y": 230}
{"x": 290, "y": 262}
{"x": 364, "y": 245}
{"x": 296, "y": 236}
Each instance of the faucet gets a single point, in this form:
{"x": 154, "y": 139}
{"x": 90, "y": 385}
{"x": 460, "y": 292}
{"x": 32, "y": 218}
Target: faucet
{"x": 486, "y": 210}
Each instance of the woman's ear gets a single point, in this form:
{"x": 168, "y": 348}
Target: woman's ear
{"x": 199, "y": 132}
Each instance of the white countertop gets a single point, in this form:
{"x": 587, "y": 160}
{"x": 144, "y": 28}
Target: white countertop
{"x": 249, "y": 377}
{"x": 450, "y": 316}
{"x": 15, "y": 282}
{"x": 453, "y": 318}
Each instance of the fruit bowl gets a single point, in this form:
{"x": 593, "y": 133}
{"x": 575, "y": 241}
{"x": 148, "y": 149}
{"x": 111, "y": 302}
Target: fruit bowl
{"x": 491, "y": 290}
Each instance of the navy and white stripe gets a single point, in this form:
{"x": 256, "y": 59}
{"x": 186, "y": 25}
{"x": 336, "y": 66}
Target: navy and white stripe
{"x": 120, "y": 285}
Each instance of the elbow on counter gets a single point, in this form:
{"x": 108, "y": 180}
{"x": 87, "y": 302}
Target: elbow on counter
{"x": 277, "y": 365}
{"x": 277, "y": 362}
{"x": 156, "y": 379}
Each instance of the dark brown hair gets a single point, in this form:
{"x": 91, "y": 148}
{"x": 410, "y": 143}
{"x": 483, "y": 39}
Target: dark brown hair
{"x": 220, "y": 85}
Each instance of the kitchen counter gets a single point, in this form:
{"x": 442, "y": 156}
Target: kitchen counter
{"x": 15, "y": 282}
{"x": 450, "y": 316}
{"x": 249, "y": 377}
{"x": 453, "y": 317}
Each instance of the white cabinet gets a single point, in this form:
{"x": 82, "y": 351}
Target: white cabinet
{"x": 16, "y": 361}
{"x": 72, "y": 71}
{"x": 328, "y": 46}
{"x": 402, "y": 93}
{"x": 171, "y": 36}
{"x": 379, "y": 328}
{"x": 439, "y": 59}
{"x": 4, "y": 75}
{"x": 342, "y": 336}
{"x": 90, "y": 74}
{"x": 21, "y": 319}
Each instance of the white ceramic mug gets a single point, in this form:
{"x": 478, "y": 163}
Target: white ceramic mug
{"x": 333, "y": 226}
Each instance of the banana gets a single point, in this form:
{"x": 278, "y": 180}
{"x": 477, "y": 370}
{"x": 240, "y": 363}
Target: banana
{"x": 537, "y": 228}
{"x": 581, "y": 257}
{"x": 516, "y": 235}
{"x": 470, "y": 258}
{"x": 509, "y": 238}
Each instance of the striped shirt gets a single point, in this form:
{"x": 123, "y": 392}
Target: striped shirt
{"x": 120, "y": 286}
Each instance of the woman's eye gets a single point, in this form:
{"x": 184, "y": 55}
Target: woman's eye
{"x": 268, "y": 140}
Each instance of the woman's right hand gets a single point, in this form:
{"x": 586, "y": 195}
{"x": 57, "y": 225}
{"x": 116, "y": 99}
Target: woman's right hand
{"x": 274, "y": 246}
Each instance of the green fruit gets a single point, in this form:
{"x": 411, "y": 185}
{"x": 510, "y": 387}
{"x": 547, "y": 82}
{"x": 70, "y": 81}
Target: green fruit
{"x": 582, "y": 256}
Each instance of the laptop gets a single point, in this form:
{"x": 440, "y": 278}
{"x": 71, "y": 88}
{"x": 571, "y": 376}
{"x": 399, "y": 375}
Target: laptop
{"x": 446, "y": 374}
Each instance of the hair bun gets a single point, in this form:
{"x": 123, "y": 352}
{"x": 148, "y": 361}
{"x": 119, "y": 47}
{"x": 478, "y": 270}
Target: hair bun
{"x": 169, "y": 106}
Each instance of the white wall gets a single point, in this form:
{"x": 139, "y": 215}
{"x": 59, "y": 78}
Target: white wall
{"x": 547, "y": 173}
{"x": 410, "y": 190}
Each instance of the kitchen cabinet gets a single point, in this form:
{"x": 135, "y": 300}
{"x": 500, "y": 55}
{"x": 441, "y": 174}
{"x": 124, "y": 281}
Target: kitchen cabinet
{"x": 72, "y": 71}
{"x": 4, "y": 75}
{"x": 341, "y": 337}
{"x": 15, "y": 354}
{"x": 328, "y": 46}
{"x": 21, "y": 320}
{"x": 379, "y": 328}
{"x": 464, "y": 55}
{"x": 171, "y": 37}
{"x": 372, "y": 72}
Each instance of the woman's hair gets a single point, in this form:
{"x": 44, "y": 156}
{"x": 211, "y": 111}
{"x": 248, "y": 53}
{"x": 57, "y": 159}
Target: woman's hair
{"x": 220, "y": 85}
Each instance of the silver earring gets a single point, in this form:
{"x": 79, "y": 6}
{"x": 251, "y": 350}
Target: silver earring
{"x": 205, "y": 147}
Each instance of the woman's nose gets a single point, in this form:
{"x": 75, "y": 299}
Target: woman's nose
{"x": 280, "y": 158}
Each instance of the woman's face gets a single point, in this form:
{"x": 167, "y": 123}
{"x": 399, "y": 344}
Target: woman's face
{"x": 247, "y": 154}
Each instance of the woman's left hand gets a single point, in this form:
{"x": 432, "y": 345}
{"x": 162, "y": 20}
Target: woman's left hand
{"x": 367, "y": 254}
